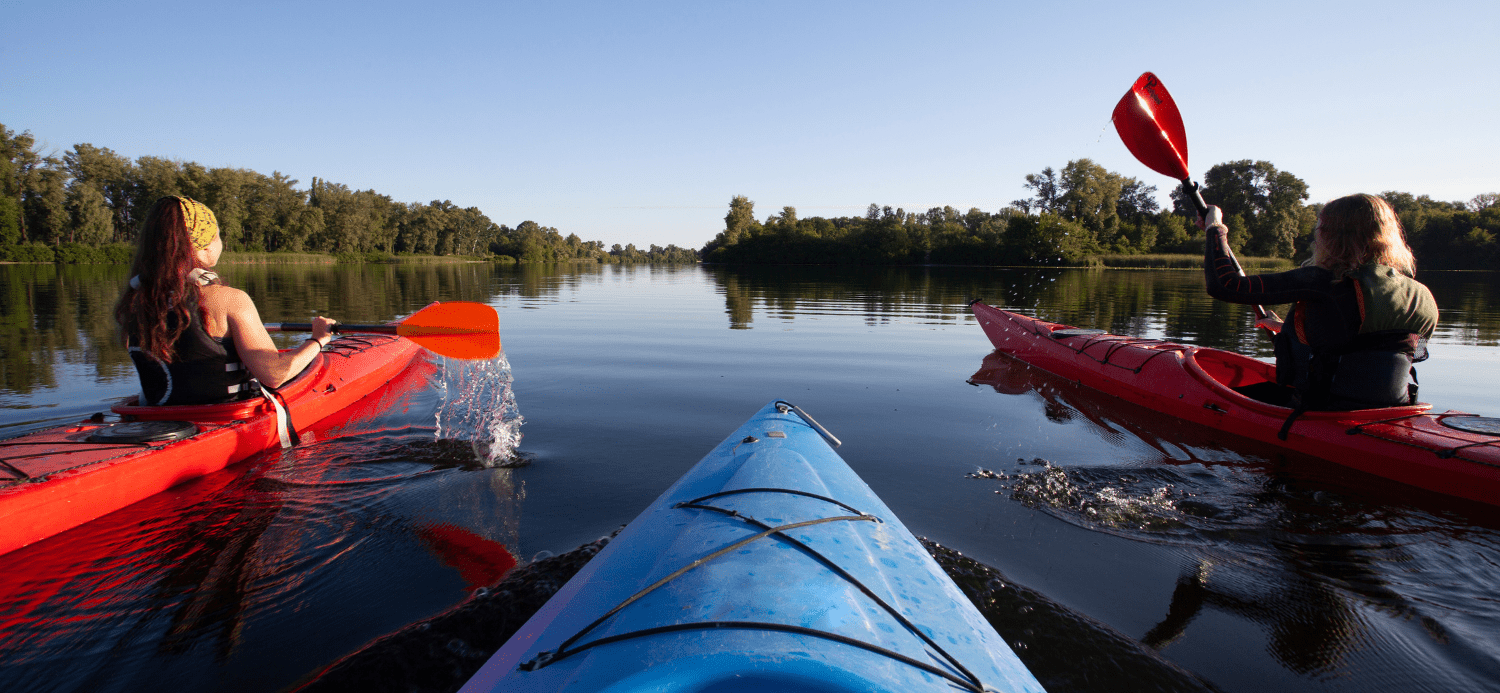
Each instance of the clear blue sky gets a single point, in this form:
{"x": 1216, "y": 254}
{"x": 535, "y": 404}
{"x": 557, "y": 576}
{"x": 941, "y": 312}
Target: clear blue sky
{"x": 637, "y": 121}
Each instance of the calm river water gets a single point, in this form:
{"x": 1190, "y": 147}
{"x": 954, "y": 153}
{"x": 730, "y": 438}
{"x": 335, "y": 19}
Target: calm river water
{"x": 1116, "y": 549}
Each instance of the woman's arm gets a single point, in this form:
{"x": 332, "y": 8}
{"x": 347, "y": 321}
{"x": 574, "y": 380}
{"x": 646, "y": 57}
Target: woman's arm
{"x": 1222, "y": 277}
{"x": 270, "y": 366}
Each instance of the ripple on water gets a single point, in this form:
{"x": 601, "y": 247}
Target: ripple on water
{"x": 1338, "y": 581}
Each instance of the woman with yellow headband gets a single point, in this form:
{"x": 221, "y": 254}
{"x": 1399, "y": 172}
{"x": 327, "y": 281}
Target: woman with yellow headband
{"x": 193, "y": 339}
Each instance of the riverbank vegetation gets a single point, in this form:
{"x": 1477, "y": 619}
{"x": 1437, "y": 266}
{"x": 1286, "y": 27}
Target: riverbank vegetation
{"x": 1085, "y": 215}
{"x": 84, "y": 207}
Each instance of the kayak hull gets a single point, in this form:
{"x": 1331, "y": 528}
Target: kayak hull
{"x": 759, "y": 611}
{"x": 56, "y": 479}
{"x": 1406, "y": 444}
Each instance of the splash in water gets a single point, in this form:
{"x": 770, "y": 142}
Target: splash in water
{"x": 1099, "y": 497}
{"x": 478, "y": 405}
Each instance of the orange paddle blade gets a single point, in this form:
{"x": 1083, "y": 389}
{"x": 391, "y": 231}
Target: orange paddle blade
{"x": 457, "y": 329}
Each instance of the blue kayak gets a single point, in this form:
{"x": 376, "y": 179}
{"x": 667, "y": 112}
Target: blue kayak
{"x": 768, "y": 566}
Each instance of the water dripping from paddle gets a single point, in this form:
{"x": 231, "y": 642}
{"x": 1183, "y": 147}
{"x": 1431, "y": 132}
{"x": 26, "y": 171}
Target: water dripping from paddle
{"x": 477, "y": 404}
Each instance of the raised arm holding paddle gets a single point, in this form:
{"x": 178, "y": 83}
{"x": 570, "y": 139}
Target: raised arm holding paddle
{"x": 1359, "y": 318}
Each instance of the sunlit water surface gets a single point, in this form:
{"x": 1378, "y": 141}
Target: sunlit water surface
{"x": 1116, "y": 549}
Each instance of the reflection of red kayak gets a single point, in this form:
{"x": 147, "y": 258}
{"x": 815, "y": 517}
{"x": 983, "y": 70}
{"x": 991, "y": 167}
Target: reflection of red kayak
{"x": 1406, "y": 444}
{"x": 57, "y": 479}
{"x": 1111, "y": 419}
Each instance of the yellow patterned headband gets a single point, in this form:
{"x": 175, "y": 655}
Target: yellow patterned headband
{"x": 202, "y": 226}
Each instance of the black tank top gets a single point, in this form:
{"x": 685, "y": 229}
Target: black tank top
{"x": 203, "y": 370}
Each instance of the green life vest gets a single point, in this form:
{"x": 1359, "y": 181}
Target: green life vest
{"x": 1391, "y": 301}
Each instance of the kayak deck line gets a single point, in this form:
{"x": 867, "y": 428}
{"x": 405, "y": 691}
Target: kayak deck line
{"x": 969, "y": 682}
{"x": 974, "y": 686}
{"x": 1214, "y": 387}
{"x": 766, "y": 489}
{"x": 126, "y": 449}
{"x": 973, "y": 682}
{"x": 1445, "y": 453}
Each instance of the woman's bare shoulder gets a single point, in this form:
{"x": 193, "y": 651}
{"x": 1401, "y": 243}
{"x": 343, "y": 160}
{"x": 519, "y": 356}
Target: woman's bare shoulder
{"x": 226, "y": 299}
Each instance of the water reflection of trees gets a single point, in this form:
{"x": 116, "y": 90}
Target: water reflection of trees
{"x": 57, "y": 316}
{"x": 875, "y": 292}
{"x": 1170, "y": 304}
{"x": 54, "y": 316}
{"x": 1469, "y": 312}
{"x": 1128, "y": 302}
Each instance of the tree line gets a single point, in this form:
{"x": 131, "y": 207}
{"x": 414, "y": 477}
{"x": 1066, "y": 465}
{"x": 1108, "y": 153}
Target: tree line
{"x": 1084, "y": 210}
{"x": 88, "y": 203}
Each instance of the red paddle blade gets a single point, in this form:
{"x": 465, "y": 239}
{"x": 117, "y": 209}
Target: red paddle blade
{"x": 457, "y": 329}
{"x": 479, "y": 561}
{"x": 1149, "y": 124}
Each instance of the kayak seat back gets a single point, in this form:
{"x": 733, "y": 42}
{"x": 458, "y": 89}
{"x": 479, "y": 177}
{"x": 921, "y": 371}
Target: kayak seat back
{"x": 131, "y": 410}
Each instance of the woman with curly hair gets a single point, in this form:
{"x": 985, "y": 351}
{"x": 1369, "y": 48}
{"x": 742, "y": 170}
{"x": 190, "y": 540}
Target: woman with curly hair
{"x": 1359, "y": 317}
{"x": 193, "y": 339}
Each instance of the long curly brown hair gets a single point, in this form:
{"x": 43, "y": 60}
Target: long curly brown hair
{"x": 154, "y": 315}
{"x": 1359, "y": 229}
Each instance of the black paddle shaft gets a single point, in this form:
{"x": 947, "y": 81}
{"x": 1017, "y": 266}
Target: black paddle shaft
{"x": 337, "y": 328}
{"x": 1191, "y": 191}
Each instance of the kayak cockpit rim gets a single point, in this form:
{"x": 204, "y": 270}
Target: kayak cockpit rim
{"x": 1222, "y": 371}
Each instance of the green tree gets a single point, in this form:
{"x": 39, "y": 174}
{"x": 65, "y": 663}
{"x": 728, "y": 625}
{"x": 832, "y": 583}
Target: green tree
{"x": 1137, "y": 199}
{"x": 10, "y": 221}
{"x": 153, "y": 178}
{"x": 1045, "y": 190}
{"x": 424, "y": 227}
{"x": 470, "y": 230}
{"x": 1047, "y": 239}
{"x": 788, "y": 218}
{"x": 227, "y": 191}
{"x": 18, "y": 157}
{"x": 307, "y": 224}
{"x": 740, "y": 219}
{"x": 1090, "y": 196}
{"x": 739, "y": 223}
{"x": 110, "y": 174}
{"x": 1263, "y": 197}
{"x": 90, "y": 220}
{"x": 44, "y": 202}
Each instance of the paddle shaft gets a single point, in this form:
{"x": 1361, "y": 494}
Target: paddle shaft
{"x": 337, "y": 328}
{"x": 1191, "y": 192}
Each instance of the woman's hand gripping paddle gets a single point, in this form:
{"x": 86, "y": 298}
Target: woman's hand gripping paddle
{"x": 1149, "y": 124}
{"x": 457, "y": 329}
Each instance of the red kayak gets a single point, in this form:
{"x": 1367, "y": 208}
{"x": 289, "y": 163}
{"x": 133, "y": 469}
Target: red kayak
{"x": 59, "y": 478}
{"x": 1452, "y": 453}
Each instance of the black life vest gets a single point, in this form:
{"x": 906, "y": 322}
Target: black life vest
{"x": 203, "y": 370}
{"x": 1371, "y": 368}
